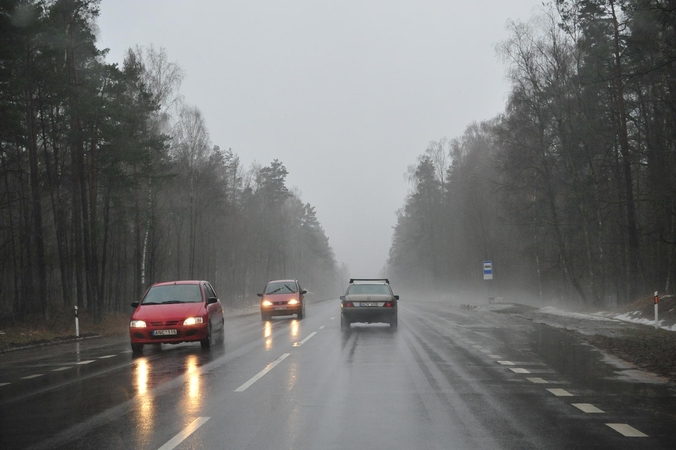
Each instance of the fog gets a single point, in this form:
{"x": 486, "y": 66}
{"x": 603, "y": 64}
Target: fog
{"x": 345, "y": 94}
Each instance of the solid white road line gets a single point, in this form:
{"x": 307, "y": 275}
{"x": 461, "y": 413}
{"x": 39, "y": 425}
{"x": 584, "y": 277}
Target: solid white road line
{"x": 626, "y": 430}
{"x": 298, "y": 344}
{"x": 537, "y": 380}
{"x": 519, "y": 370}
{"x": 260, "y": 374}
{"x": 60, "y": 369}
{"x": 587, "y": 408}
{"x": 29, "y": 377}
{"x": 85, "y": 362}
{"x": 560, "y": 392}
{"x": 183, "y": 435}
{"x": 506, "y": 363}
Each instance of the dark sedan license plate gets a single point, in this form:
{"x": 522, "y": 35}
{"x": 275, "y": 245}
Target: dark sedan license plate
{"x": 165, "y": 332}
{"x": 369, "y": 304}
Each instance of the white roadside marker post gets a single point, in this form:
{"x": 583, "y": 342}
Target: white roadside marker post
{"x": 657, "y": 325}
{"x": 77, "y": 324}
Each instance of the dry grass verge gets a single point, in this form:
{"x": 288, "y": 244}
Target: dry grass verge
{"x": 34, "y": 330}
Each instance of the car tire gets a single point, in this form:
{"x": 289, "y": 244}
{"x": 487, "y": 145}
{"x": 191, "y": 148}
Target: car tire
{"x": 344, "y": 323}
{"x": 265, "y": 317}
{"x": 206, "y": 343}
{"x": 136, "y": 348}
{"x": 221, "y": 337}
{"x": 300, "y": 314}
{"x": 394, "y": 323}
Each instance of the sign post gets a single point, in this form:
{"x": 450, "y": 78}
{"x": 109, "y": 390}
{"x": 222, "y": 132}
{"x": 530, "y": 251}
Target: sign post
{"x": 657, "y": 325}
{"x": 488, "y": 270}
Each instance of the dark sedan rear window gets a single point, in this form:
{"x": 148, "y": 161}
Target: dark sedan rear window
{"x": 369, "y": 289}
{"x": 175, "y": 293}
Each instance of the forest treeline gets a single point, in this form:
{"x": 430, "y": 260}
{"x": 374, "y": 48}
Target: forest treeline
{"x": 109, "y": 181}
{"x": 571, "y": 192}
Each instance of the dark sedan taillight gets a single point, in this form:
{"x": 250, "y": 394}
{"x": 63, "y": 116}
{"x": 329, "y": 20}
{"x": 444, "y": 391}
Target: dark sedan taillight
{"x": 348, "y": 304}
{"x": 388, "y": 304}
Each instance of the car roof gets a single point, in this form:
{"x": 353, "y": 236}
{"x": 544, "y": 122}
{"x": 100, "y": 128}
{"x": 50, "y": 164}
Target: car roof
{"x": 282, "y": 281}
{"x": 169, "y": 283}
{"x": 369, "y": 281}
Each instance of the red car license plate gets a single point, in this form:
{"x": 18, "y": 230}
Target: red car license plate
{"x": 164, "y": 332}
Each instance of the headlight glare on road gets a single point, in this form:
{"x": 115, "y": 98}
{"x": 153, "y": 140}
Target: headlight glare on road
{"x": 137, "y": 324}
{"x": 193, "y": 321}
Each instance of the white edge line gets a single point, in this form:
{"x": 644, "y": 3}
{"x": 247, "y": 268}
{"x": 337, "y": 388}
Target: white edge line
{"x": 306, "y": 339}
{"x": 183, "y": 435}
{"x": 260, "y": 374}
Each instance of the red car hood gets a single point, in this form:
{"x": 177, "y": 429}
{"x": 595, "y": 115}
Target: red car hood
{"x": 176, "y": 311}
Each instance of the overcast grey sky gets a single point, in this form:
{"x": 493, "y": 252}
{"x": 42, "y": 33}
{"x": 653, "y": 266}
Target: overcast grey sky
{"x": 345, "y": 93}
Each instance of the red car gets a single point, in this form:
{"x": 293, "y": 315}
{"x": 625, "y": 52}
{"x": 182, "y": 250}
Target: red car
{"x": 282, "y": 298}
{"x": 177, "y": 311}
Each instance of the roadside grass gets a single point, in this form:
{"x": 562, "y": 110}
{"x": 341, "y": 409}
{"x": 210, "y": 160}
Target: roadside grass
{"x": 34, "y": 330}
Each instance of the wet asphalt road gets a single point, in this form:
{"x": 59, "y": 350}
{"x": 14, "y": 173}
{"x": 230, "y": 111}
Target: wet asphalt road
{"x": 448, "y": 378}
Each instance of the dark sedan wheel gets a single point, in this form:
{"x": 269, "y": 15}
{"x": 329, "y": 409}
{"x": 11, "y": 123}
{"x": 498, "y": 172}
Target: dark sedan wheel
{"x": 344, "y": 323}
{"x": 394, "y": 323}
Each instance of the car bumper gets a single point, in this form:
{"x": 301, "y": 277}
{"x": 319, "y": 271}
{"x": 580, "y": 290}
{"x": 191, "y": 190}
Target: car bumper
{"x": 281, "y": 310}
{"x": 369, "y": 315}
{"x": 183, "y": 334}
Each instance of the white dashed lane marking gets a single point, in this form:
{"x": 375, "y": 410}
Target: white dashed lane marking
{"x": 30, "y": 377}
{"x": 560, "y": 392}
{"x": 484, "y": 351}
{"x": 4, "y": 384}
{"x": 506, "y": 363}
{"x": 537, "y": 380}
{"x": 519, "y": 370}
{"x": 60, "y": 369}
{"x": 626, "y": 430}
{"x": 495, "y": 356}
{"x": 298, "y": 344}
{"x": 260, "y": 374}
{"x": 588, "y": 408}
{"x": 85, "y": 362}
{"x": 322, "y": 327}
{"x": 107, "y": 356}
{"x": 183, "y": 435}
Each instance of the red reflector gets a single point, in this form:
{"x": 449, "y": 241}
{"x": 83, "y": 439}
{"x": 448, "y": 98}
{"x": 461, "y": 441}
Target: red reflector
{"x": 388, "y": 304}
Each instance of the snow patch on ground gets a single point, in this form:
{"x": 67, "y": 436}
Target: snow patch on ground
{"x": 632, "y": 317}
{"x": 574, "y": 315}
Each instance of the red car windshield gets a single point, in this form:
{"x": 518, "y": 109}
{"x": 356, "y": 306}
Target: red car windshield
{"x": 174, "y": 293}
{"x": 288, "y": 287}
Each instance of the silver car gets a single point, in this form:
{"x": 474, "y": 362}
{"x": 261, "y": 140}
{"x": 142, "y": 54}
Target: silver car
{"x": 368, "y": 300}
